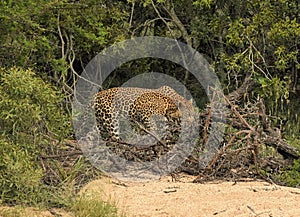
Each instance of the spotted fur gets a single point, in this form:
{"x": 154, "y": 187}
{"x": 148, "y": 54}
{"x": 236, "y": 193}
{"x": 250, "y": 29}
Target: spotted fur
{"x": 138, "y": 105}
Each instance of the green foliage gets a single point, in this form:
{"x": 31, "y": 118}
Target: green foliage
{"x": 50, "y": 35}
{"x": 20, "y": 177}
{"x": 288, "y": 175}
{"x": 254, "y": 37}
{"x": 274, "y": 90}
{"x": 291, "y": 175}
{"x": 30, "y": 114}
{"x": 31, "y": 109}
{"x": 203, "y": 3}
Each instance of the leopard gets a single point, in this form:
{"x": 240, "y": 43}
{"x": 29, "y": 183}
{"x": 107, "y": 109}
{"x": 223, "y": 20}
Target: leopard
{"x": 139, "y": 105}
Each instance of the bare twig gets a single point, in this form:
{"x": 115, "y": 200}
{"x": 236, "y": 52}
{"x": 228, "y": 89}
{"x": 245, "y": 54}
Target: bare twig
{"x": 222, "y": 151}
{"x": 131, "y": 15}
{"x": 60, "y": 36}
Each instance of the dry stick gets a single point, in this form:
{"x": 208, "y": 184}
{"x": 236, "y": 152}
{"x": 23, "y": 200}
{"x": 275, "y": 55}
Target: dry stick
{"x": 243, "y": 120}
{"x": 255, "y": 152}
{"x": 237, "y": 151}
{"x": 263, "y": 114}
{"x": 206, "y": 127}
{"x": 62, "y": 155}
{"x": 246, "y": 86}
{"x": 150, "y": 133}
{"x": 60, "y": 36}
{"x": 208, "y": 120}
{"x": 221, "y": 152}
{"x": 267, "y": 75}
{"x": 132, "y": 11}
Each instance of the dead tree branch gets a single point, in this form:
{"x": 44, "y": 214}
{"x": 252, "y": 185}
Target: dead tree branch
{"x": 250, "y": 133}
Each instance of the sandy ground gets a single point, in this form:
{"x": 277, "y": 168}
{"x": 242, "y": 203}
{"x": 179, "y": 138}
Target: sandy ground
{"x": 184, "y": 198}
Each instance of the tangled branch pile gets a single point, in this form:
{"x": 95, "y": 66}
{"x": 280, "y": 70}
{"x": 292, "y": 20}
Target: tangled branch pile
{"x": 251, "y": 144}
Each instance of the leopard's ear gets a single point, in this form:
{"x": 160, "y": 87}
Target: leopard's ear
{"x": 180, "y": 105}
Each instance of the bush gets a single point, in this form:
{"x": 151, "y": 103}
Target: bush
{"x": 31, "y": 109}
{"x": 31, "y": 115}
{"x": 19, "y": 176}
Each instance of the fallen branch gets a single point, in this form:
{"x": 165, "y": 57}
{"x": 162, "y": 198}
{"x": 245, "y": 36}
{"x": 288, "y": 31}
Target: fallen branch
{"x": 251, "y": 131}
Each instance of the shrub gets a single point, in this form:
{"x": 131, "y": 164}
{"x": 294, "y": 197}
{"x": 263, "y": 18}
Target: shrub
{"x": 31, "y": 115}
{"x": 19, "y": 176}
{"x": 30, "y": 108}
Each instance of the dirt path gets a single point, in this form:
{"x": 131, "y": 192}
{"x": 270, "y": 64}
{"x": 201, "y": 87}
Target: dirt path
{"x": 166, "y": 198}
